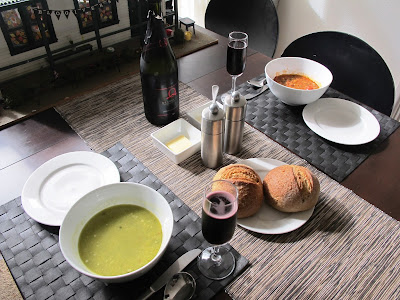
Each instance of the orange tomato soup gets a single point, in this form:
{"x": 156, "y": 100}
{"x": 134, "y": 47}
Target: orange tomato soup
{"x": 295, "y": 81}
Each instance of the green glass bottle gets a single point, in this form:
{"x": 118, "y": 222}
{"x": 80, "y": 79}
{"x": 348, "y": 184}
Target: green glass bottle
{"x": 159, "y": 71}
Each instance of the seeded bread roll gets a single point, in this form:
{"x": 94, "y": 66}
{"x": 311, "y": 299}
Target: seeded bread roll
{"x": 249, "y": 185}
{"x": 291, "y": 188}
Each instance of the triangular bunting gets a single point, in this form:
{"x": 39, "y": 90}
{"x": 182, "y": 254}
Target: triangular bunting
{"x": 67, "y": 12}
{"x": 58, "y": 14}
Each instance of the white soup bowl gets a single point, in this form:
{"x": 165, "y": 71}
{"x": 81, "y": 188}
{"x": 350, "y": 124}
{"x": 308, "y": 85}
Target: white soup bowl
{"x": 104, "y": 197}
{"x": 317, "y": 72}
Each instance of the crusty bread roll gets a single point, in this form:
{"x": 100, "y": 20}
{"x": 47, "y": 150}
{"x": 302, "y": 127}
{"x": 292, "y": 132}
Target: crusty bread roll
{"x": 249, "y": 185}
{"x": 291, "y": 188}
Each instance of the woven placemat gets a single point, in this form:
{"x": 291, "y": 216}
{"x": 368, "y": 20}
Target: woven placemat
{"x": 33, "y": 255}
{"x": 285, "y": 125}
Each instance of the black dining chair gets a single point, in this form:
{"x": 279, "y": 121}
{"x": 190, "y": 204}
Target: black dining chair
{"x": 258, "y": 18}
{"x": 358, "y": 70}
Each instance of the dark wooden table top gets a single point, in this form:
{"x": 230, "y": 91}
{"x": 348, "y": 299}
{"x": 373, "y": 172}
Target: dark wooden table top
{"x": 28, "y": 144}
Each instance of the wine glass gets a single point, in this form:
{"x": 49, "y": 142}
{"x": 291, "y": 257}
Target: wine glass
{"x": 236, "y": 55}
{"x": 219, "y": 212}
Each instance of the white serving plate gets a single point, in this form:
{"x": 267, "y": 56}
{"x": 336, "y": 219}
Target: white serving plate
{"x": 179, "y": 127}
{"x": 55, "y": 186}
{"x": 268, "y": 220}
{"x": 341, "y": 121}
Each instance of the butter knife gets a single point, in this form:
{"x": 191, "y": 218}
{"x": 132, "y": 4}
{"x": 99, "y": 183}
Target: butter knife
{"x": 262, "y": 90}
{"x": 176, "y": 267}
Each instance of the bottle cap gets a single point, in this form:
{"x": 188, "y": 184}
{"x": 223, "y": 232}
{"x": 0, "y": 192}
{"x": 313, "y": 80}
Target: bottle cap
{"x": 235, "y": 106}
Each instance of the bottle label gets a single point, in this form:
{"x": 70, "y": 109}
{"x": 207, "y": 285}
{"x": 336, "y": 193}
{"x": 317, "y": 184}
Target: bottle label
{"x": 160, "y": 98}
{"x": 168, "y": 94}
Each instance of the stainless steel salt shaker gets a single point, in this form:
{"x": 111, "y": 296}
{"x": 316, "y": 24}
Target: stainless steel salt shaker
{"x": 235, "y": 112}
{"x": 212, "y": 133}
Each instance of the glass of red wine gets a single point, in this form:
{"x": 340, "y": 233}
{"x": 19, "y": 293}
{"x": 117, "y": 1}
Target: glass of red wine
{"x": 220, "y": 205}
{"x": 236, "y": 55}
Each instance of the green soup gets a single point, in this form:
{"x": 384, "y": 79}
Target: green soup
{"x": 119, "y": 240}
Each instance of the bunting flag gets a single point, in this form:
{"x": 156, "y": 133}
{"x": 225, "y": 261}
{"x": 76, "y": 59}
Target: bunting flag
{"x": 66, "y": 12}
{"x": 58, "y": 14}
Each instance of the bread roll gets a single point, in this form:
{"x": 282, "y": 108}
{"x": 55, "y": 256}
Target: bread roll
{"x": 291, "y": 188}
{"x": 249, "y": 185}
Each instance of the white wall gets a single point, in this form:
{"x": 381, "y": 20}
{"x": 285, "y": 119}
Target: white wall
{"x": 374, "y": 21}
{"x": 65, "y": 29}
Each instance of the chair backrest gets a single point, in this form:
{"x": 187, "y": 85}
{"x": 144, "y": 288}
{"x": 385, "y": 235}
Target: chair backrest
{"x": 358, "y": 70}
{"x": 258, "y": 18}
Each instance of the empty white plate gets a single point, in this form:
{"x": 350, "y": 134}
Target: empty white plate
{"x": 55, "y": 186}
{"x": 268, "y": 220}
{"x": 341, "y": 121}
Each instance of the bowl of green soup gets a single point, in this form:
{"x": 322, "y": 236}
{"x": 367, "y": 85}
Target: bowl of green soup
{"x": 117, "y": 232}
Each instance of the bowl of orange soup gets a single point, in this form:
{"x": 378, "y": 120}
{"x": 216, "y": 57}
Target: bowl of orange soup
{"x": 296, "y": 80}
{"x": 117, "y": 232}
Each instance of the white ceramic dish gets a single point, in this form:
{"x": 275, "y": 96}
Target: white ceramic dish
{"x": 194, "y": 116}
{"x": 341, "y": 121}
{"x": 297, "y": 65}
{"x": 269, "y": 220}
{"x": 179, "y": 127}
{"x": 56, "y": 185}
{"x": 102, "y": 198}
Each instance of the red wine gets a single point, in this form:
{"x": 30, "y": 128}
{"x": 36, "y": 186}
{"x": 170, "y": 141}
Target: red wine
{"x": 236, "y": 57}
{"x": 159, "y": 72}
{"x": 219, "y": 219}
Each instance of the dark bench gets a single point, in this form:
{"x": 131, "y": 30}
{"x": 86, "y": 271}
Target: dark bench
{"x": 71, "y": 52}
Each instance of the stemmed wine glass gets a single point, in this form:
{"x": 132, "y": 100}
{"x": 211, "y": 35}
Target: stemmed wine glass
{"x": 218, "y": 226}
{"x": 236, "y": 55}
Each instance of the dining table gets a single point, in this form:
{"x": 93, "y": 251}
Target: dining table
{"x": 347, "y": 249}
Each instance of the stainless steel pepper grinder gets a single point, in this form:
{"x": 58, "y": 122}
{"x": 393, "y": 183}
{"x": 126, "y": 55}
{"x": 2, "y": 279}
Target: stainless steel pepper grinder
{"x": 235, "y": 112}
{"x": 212, "y": 133}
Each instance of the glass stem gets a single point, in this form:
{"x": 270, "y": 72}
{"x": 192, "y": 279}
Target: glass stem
{"x": 234, "y": 83}
{"x": 215, "y": 257}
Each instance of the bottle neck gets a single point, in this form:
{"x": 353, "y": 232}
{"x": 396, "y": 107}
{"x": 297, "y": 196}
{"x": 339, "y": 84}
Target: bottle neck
{"x": 155, "y": 30}
{"x": 155, "y": 8}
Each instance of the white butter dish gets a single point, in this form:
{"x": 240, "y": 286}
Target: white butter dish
{"x": 168, "y": 133}
{"x": 194, "y": 116}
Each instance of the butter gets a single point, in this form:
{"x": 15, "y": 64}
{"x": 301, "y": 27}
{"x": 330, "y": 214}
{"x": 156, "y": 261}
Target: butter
{"x": 179, "y": 144}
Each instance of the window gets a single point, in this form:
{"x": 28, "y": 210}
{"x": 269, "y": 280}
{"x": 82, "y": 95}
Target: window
{"x": 20, "y": 27}
{"x": 106, "y": 16}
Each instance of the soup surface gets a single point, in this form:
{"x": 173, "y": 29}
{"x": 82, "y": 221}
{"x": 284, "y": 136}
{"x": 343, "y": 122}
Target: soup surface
{"x": 296, "y": 81}
{"x": 120, "y": 239}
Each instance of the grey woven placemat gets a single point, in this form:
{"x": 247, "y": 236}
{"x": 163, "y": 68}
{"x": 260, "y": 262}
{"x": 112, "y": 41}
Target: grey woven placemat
{"x": 34, "y": 258}
{"x": 285, "y": 125}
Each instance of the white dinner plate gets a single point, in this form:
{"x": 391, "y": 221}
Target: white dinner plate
{"x": 55, "y": 186}
{"x": 268, "y": 220}
{"x": 341, "y": 121}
